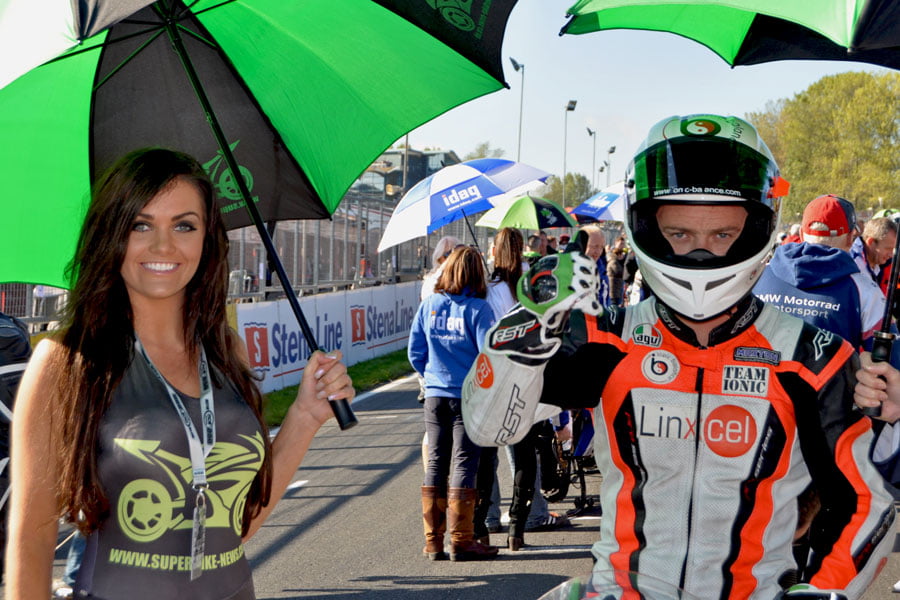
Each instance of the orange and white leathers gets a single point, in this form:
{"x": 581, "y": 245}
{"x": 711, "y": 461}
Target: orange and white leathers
{"x": 704, "y": 450}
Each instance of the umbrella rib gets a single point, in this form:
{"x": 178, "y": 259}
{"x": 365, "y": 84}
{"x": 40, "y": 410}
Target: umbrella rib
{"x": 199, "y": 37}
{"x": 128, "y": 59}
{"x": 209, "y": 8}
{"x": 107, "y": 42}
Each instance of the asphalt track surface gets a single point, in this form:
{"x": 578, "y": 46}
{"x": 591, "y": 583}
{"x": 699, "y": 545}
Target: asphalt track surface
{"x": 350, "y": 525}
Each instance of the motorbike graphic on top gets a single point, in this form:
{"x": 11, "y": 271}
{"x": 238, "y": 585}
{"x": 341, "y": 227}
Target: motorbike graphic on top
{"x": 147, "y": 508}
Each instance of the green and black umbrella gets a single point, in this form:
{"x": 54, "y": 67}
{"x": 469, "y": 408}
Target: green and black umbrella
{"x": 299, "y": 97}
{"x": 749, "y": 32}
{"x": 527, "y": 212}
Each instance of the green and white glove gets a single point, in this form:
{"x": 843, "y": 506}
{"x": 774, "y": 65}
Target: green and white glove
{"x": 558, "y": 283}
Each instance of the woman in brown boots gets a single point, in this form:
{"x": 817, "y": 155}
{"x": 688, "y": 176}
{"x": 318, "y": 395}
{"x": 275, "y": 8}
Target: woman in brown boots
{"x": 446, "y": 336}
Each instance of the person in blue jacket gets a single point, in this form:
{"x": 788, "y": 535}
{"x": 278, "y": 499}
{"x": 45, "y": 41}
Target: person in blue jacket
{"x": 817, "y": 279}
{"x": 446, "y": 337}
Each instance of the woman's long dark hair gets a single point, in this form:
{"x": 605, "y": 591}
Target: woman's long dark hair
{"x": 508, "y": 249}
{"x": 98, "y": 335}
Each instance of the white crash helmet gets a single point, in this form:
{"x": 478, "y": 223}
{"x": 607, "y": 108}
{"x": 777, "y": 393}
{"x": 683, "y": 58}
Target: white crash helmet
{"x": 707, "y": 160}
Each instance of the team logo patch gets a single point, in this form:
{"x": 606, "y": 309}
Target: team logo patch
{"x": 484, "y": 372}
{"x": 729, "y": 431}
{"x": 700, "y": 127}
{"x": 745, "y": 380}
{"x": 660, "y": 366}
{"x": 820, "y": 342}
{"x": 647, "y": 335}
{"x": 751, "y": 354}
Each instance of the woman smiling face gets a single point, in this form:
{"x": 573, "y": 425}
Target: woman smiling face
{"x": 165, "y": 244}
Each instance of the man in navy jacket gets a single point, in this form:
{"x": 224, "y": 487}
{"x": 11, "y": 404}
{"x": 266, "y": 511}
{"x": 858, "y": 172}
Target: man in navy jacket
{"x": 817, "y": 279}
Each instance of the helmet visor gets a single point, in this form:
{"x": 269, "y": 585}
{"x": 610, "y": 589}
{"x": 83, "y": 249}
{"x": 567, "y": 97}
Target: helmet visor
{"x": 716, "y": 166}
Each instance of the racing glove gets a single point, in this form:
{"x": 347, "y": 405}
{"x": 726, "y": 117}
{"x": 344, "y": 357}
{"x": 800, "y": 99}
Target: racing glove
{"x": 558, "y": 283}
{"x": 501, "y": 393}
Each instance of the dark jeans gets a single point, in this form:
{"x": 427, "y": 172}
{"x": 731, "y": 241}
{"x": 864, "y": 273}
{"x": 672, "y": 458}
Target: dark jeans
{"x": 451, "y": 454}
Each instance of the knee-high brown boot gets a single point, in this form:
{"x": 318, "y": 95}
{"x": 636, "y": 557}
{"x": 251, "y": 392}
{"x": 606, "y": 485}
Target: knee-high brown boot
{"x": 434, "y": 517}
{"x": 461, "y": 522}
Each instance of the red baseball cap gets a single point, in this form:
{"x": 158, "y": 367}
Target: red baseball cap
{"x": 836, "y": 213}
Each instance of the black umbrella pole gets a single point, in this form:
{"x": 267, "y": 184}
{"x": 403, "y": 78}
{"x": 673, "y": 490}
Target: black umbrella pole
{"x": 342, "y": 411}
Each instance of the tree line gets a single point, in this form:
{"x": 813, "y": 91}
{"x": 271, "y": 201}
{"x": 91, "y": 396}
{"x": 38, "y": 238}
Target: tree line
{"x": 839, "y": 136}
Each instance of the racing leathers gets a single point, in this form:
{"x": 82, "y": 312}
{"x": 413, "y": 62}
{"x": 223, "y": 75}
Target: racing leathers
{"x": 703, "y": 450}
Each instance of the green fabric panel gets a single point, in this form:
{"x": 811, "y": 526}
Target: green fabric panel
{"x": 311, "y": 67}
{"x": 835, "y": 19}
{"x": 521, "y": 215}
{"x": 44, "y": 156}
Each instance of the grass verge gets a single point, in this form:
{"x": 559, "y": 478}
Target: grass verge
{"x": 366, "y": 375}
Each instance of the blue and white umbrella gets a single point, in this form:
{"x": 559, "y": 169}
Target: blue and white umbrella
{"x": 607, "y": 205}
{"x": 455, "y": 192}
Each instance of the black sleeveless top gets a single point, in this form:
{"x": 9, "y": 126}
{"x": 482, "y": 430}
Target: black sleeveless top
{"x": 143, "y": 548}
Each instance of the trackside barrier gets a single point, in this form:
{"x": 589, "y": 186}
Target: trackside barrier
{"x": 362, "y": 324}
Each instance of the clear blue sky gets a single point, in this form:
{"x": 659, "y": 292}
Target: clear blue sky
{"x": 624, "y": 81}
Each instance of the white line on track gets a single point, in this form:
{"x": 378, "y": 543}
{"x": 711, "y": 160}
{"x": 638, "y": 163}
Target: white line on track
{"x": 384, "y": 388}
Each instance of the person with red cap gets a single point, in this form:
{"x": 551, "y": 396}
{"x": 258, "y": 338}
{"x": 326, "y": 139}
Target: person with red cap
{"x": 817, "y": 279}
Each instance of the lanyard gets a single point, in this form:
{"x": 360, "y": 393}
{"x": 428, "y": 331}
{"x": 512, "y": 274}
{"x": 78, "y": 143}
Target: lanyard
{"x": 199, "y": 449}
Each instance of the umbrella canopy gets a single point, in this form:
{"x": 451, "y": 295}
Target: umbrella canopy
{"x": 607, "y": 205}
{"x": 305, "y": 95}
{"x": 748, "y": 32}
{"x": 527, "y": 212}
{"x": 455, "y": 192}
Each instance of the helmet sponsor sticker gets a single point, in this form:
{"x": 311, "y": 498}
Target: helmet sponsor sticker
{"x": 699, "y": 127}
{"x": 484, "y": 372}
{"x": 729, "y": 431}
{"x": 660, "y": 366}
{"x": 647, "y": 335}
{"x": 745, "y": 380}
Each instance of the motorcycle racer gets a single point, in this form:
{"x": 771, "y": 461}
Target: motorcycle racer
{"x": 717, "y": 410}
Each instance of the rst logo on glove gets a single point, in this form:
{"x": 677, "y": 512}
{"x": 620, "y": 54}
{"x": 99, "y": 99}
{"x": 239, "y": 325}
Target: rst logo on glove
{"x": 502, "y": 335}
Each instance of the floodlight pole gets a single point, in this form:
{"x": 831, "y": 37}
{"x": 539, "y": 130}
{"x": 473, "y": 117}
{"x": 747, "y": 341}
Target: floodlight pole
{"x": 593, "y": 134}
{"x": 519, "y": 66}
{"x": 569, "y": 108}
{"x": 608, "y": 163}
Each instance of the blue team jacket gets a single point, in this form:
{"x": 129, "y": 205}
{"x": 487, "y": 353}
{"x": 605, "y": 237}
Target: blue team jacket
{"x": 445, "y": 338}
{"x": 813, "y": 282}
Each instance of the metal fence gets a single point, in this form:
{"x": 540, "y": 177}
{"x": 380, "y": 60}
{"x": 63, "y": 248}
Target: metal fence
{"x": 318, "y": 256}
